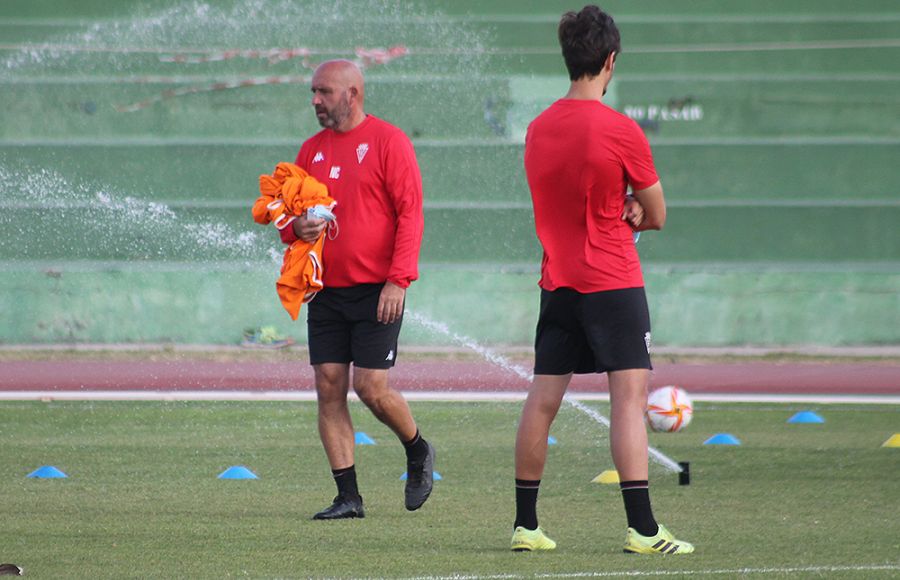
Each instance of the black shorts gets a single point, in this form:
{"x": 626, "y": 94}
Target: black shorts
{"x": 342, "y": 328}
{"x": 592, "y": 333}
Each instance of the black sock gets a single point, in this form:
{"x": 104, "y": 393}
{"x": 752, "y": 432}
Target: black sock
{"x": 346, "y": 481}
{"x": 416, "y": 448}
{"x": 526, "y": 503}
{"x": 637, "y": 507}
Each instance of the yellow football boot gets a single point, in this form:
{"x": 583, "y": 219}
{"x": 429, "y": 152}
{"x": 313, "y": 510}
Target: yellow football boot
{"x": 662, "y": 543}
{"x": 525, "y": 540}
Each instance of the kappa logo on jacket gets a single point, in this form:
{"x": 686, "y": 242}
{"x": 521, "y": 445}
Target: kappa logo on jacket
{"x": 361, "y": 152}
{"x": 335, "y": 172}
{"x": 318, "y": 157}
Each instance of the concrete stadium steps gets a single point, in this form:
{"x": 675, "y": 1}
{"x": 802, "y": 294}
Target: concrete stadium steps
{"x": 58, "y": 62}
{"x": 659, "y": 38}
{"x": 780, "y": 169}
{"x": 666, "y": 61}
{"x": 711, "y": 31}
{"x": 142, "y": 29}
{"x": 81, "y": 109}
{"x": 783, "y": 204}
{"x": 715, "y": 107}
{"x": 504, "y": 33}
{"x": 480, "y": 235}
{"x": 449, "y": 27}
{"x": 190, "y": 304}
{"x": 871, "y": 56}
{"x": 752, "y": 107}
{"x": 649, "y": 8}
{"x": 655, "y": 8}
{"x": 471, "y": 172}
{"x": 692, "y": 234}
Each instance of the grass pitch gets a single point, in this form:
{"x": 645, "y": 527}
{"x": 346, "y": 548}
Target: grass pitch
{"x": 142, "y": 498}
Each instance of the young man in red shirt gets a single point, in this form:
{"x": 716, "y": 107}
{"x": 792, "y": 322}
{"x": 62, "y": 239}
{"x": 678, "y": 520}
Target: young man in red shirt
{"x": 371, "y": 171}
{"x": 580, "y": 158}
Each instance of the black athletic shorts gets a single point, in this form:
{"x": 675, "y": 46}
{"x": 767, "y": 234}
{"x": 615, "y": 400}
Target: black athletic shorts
{"x": 342, "y": 328}
{"x": 592, "y": 333}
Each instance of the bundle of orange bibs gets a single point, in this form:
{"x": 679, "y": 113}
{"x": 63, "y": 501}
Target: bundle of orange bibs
{"x": 285, "y": 195}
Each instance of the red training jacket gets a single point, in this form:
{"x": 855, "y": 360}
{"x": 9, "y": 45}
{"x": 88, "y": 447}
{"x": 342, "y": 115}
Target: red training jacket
{"x": 372, "y": 173}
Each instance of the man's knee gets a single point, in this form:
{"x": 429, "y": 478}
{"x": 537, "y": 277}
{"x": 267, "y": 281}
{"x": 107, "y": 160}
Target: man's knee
{"x": 371, "y": 395}
{"x": 630, "y": 384}
{"x": 372, "y": 388}
{"x": 332, "y": 382}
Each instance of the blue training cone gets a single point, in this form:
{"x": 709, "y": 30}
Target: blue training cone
{"x": 237, "y": 472}
{"x": 437, "y": 476}
{"x": 722, "y": 439}
{"x": 363, "y": 439}
{"x": 806, "y": 417}
{"x": 551, "y": 440}
{"x": 47, "y": 472}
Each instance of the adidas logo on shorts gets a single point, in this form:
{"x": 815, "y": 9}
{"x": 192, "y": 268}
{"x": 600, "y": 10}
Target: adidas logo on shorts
{"x": 390, "y": 355}
{"x": 647, "y": 341}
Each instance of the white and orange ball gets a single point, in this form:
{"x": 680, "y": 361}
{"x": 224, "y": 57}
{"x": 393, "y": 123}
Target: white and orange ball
{"x": 669, "y": 409}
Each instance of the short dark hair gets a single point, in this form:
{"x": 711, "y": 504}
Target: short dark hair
{"x": 587, "y": 38}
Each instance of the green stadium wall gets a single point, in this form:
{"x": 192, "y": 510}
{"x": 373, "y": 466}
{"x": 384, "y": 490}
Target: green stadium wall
{"x": 773, "y": 125}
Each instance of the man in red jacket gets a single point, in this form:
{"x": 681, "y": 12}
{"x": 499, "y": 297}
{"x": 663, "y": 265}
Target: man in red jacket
{"x": 580, "y": 158}
{"x": 371, "y": 171}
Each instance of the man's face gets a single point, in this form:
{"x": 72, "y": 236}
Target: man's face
{"x": 330, "y": 100}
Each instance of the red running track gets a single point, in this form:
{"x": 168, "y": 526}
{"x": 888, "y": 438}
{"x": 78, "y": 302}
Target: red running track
{"x": 737, "y": 378}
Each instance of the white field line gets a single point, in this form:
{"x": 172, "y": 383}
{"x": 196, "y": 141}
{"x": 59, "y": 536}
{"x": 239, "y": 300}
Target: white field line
{"x": 523, "y": 373}
{"x": 432, "y": 396}
{"x": 680, "y": 573}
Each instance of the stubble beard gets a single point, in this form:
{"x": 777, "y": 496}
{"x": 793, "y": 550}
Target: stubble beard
{"x": 335, "y": 117}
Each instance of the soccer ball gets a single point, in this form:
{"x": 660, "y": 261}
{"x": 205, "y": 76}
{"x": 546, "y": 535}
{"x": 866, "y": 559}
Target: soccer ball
{"x": 669, "y": 409}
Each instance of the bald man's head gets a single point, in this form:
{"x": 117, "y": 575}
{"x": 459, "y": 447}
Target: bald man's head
{"x": 338, "y": 94}
{"x": 342, "y": 72}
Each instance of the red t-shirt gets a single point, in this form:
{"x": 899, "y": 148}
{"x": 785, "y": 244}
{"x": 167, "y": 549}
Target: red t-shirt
{"x": 372, "y": 173}
{"x": 580, "y": 156}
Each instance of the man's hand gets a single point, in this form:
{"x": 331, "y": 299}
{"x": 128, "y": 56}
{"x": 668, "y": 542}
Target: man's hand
{"x": 308, "y": 230}
{"x": 390, "y": 303}
{"x": 634, "y": 212}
